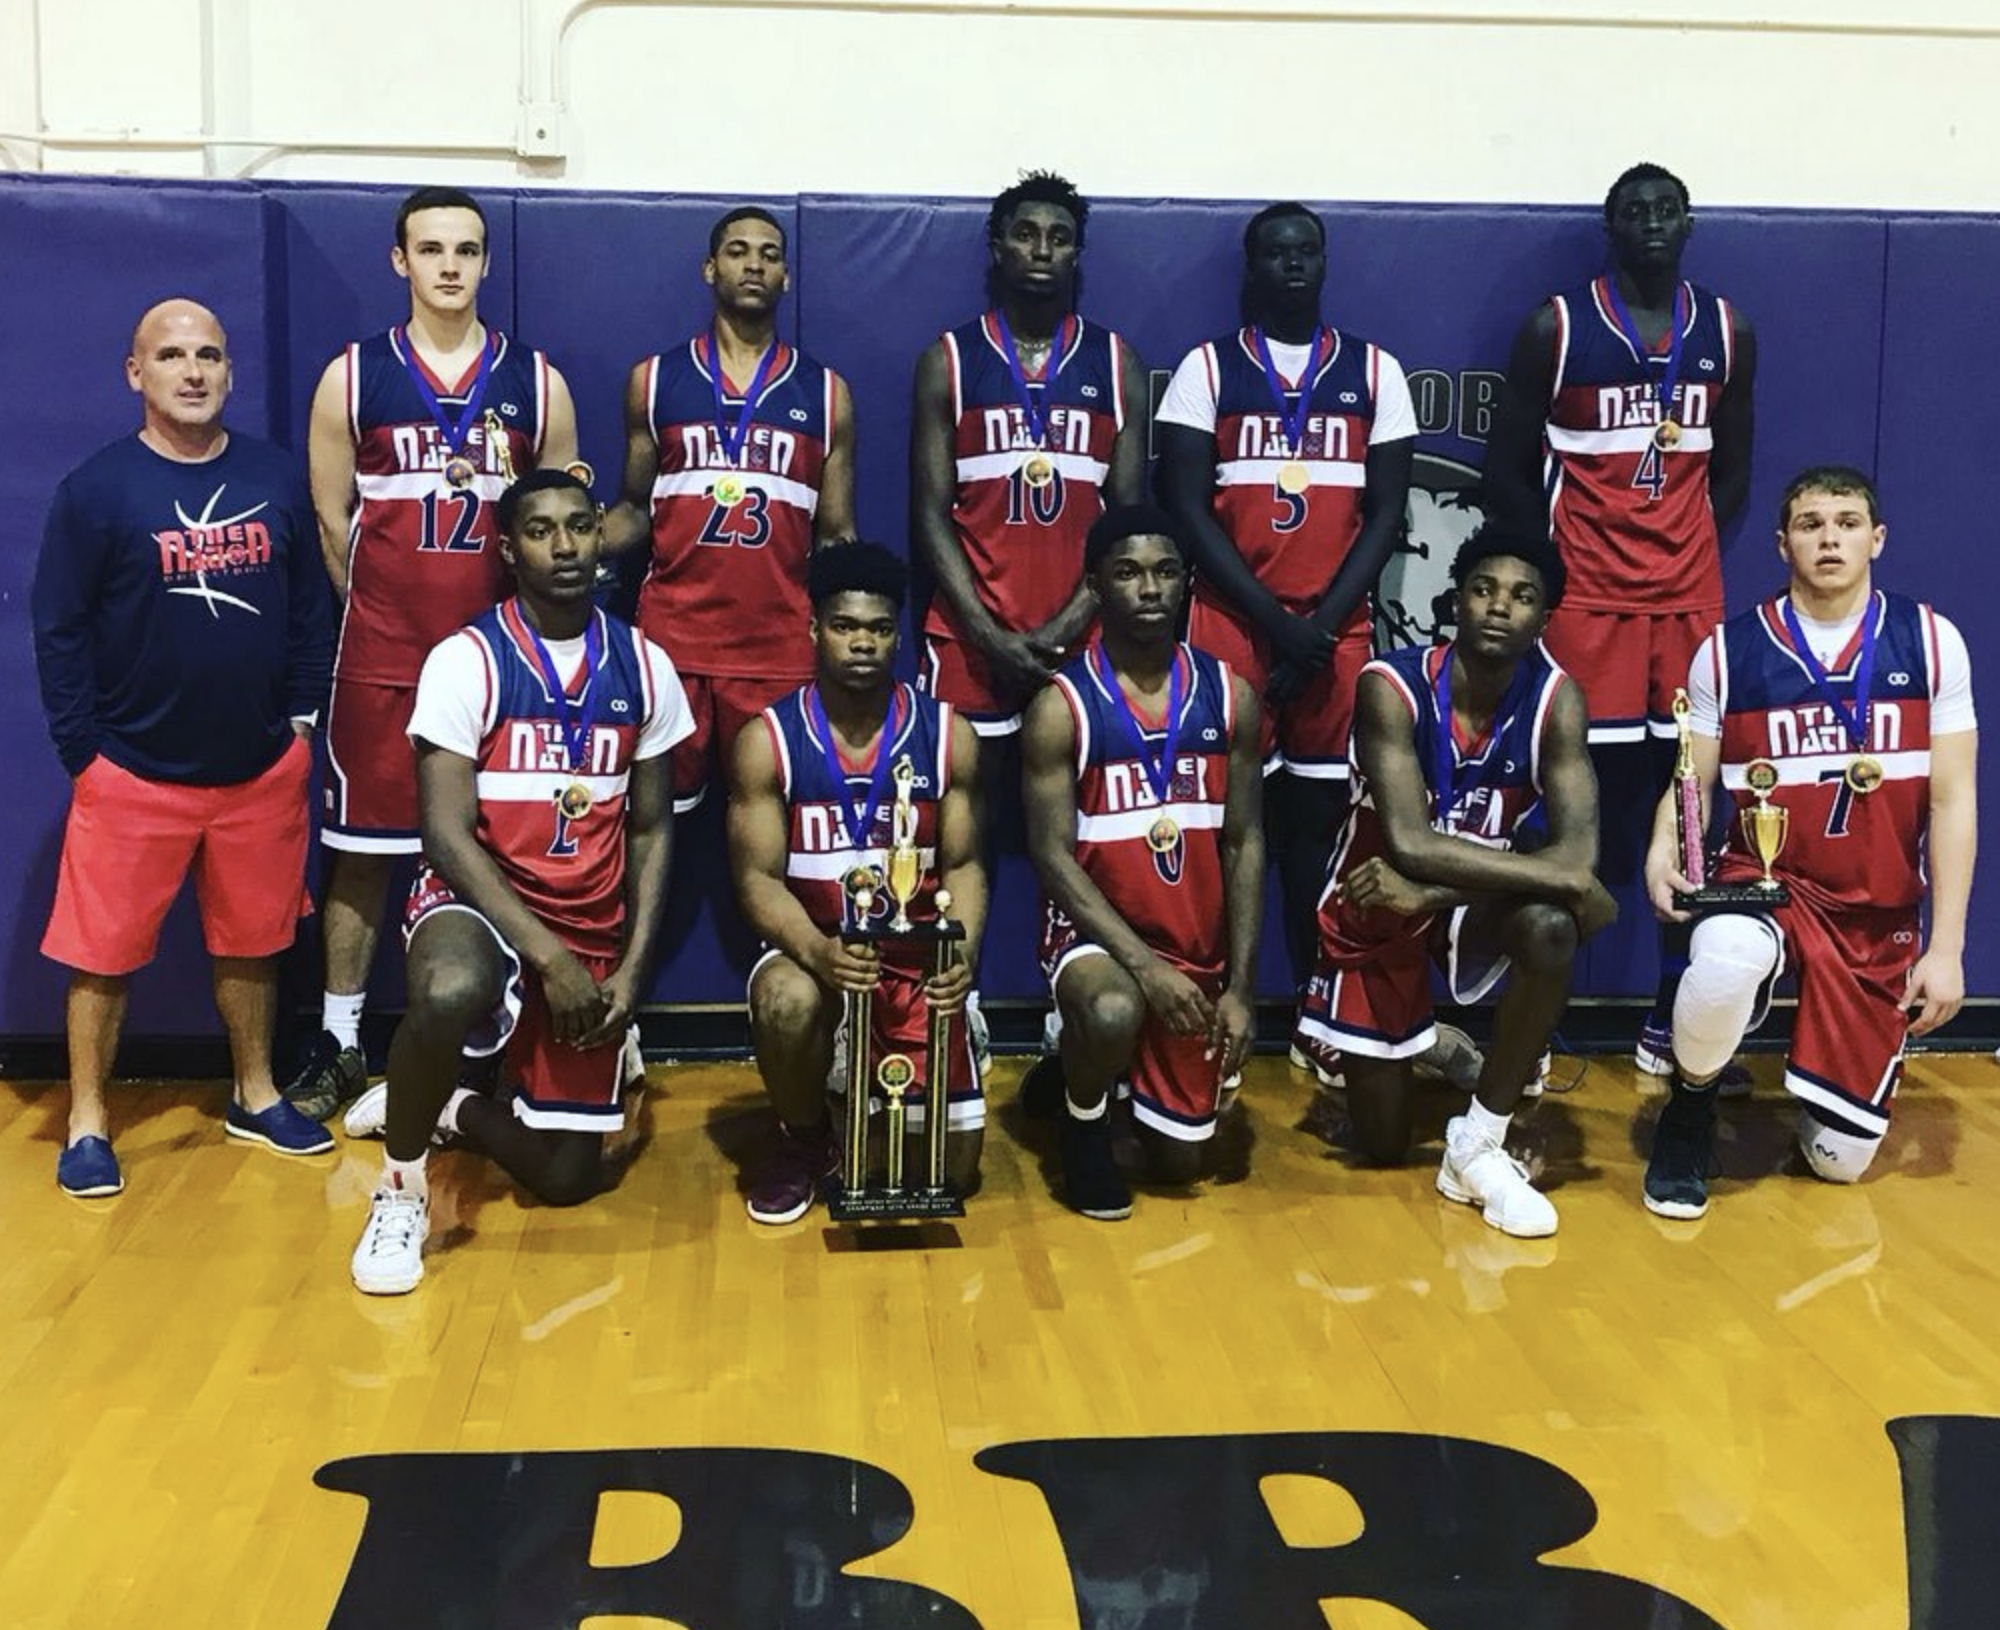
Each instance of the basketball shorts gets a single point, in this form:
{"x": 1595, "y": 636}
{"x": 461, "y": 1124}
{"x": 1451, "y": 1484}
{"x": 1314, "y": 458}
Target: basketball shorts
{"x": 721, "y": 705}
{"x": 369, "y": 803}
{"x": 559, "y": 1087}
{"x": 1306, "y": 735}
{"x": 956, "y": 672}
{"x": 1628, "y": 665}
{"x": 1370, "y": 992}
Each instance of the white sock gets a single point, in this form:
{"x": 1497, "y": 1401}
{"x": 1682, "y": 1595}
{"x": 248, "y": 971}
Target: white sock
{"x": 406, "y": 1176}
{"x": 1836, "y": 1157}
{"x": 340, "y": 1016}
{"x": 1485, "y": 1125}
{"x": 1096, "y": 1112}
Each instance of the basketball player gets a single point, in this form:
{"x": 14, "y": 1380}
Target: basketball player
{"x": 1455, "y": 747}
{"x": 1625, "y": 428}
{"x": 816, "y": 769}
{"x": 1285, "y": 454}
{"x": 541, "y": 732}
{"x": 410, "y": 434}
{"x": 1854, "y": 707}
{"x": 739, "y": 458}
{"x": 1142, "y": 790}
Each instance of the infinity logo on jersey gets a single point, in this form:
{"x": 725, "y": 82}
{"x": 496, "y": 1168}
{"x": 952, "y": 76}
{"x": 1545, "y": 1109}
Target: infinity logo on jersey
{"x": 202, "y": 544}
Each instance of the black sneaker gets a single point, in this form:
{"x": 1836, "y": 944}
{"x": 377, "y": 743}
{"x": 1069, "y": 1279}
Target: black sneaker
{"x": 1092, "y": 1182}
{"x": 330, "y": 1075}
{"x": 1683, "y": 1154}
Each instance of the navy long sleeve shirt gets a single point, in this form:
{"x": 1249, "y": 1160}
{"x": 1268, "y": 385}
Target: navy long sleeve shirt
{"x": 182, "y": 613}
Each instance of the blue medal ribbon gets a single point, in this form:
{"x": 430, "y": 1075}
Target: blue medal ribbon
{"x": 1038, "y": 417}
{"x": 1856, "y": 723}
{"x": 1667, "y": 385}
{"x": 860, "y": 817}
{"x": 1452, "y": 781}
{"x": 1292, "y": 421}
{"x": 733, "y": 439}
{"x": 578, "y": 717}
{"x": 454, "y": 433}
{"x": 1159, "y": 770}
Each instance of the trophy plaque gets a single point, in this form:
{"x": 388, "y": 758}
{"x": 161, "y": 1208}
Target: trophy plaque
{"x": 1764, "y": 827}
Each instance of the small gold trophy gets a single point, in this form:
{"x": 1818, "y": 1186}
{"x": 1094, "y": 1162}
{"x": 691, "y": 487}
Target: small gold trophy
{"x": 906, "y": 864}
{"x": 503, "y": 452}
{"x": 1764, "y": 824}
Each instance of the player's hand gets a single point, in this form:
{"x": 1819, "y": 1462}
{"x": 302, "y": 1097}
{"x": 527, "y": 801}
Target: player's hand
{"x": 1596, "y": 909}
{"x": 1017, "y": 660}
{"x": 1300, "y": 642}
{"x": 1286, "y": 680}
{"x": 1936, "y": 988}
{"x": 1230, "y": 1033}
{"x": 1176, "y": 999}
{"x": 947, "y": 991}
{"x": 620, "y": 991}
{"x": 1375, "y": 885}
{"x": 576, "y": 1003}
{"x": 844, "y": 965}
{"x": 1663, "y": 882}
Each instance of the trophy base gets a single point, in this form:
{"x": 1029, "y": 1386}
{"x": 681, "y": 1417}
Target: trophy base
{"x": 1733, "y": 897}
{"x": 884, "y": 1205}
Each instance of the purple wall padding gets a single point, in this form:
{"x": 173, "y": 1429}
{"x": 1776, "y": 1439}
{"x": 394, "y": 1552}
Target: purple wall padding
{"x": 1872, "y": 329}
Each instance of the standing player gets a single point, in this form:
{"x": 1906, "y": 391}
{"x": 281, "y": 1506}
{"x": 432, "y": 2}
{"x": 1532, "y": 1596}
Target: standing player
{"x": 183, "y": 646}
{"x": 1625, "y": 428}
{"x": 739, "y": 458}
{"x": 406, "y": 467}
{"x": 1285, "y": 454}
{"x": 810, "y": 803}
{"x": 541, "y": 733}
{"x": 1142, "y": 790}
{"x": 1859, "y": 703}
{"x": 1455, "y": 747}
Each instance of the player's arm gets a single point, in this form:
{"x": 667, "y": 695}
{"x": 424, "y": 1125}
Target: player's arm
{"x": 559, "y": 427}
{"x": 630, "y": 521}
{"x": 933, "y": 491}
{"x": 759, "y": 844}
{"x": 833, "y": 519}
{"x": 1937, "y": 983}
{"x": 649, "y": 847}
{"x": 1234, "y": 1027}
{"x": 960, "y": 866}
{"x": 308, "y": 617}
{"x": 1569, "y": 795}
{"x": 448, "y": 799}
{"x": 63, "y": 604}
{"x": 1048, "y": 757}
{"x": 1511, "y": 486}
{"x": 1735, "y": 424}
{"x": 330, "y": 470}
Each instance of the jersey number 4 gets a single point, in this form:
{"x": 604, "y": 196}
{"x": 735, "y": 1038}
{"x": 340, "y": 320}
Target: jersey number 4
{"x": 1651, "y": 475}
{"x": 450, "y": 519}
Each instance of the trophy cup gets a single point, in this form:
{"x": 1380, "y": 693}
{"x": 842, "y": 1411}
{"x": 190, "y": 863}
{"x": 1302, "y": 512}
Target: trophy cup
{"x": 1764, "y": 828}
{"x": 856, "y": 1197}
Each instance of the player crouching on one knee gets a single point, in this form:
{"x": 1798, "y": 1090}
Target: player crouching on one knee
{"x": 541, "y": 731}
{"x": 1456, "y": 749}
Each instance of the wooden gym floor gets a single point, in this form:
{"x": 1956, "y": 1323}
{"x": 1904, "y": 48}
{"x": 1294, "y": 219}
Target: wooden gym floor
{"x": 176, "y": 1363}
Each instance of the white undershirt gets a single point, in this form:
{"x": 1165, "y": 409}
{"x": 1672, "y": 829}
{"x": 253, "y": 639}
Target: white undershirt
{"x": 1190, "y": 396}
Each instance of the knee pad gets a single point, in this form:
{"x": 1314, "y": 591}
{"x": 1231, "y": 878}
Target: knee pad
{"x": 1835, "y": 1156}
{"x": 1732, "y": 958}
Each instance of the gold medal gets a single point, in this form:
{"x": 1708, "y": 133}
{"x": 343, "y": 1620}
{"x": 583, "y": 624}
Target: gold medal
{"x": 574, "y": 801}
{"x": 728, "y": 490}
{"x": 1038, "y": 470}
{"x": 1864, "y": 773}
{"x": 1667, "y": 435}
{"x": 1163, "y": 835}
{"x": 459, "y": 471}
{"x": 1293, "y": 477}
{"x": 582, "y": 471}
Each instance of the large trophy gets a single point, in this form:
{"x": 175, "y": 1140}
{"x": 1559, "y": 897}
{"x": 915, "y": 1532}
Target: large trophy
{"x": 1764, "y": 827}
{"x": 858, "y": 1196}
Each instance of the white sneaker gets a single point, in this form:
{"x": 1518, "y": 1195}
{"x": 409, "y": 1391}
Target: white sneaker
{"x": 1477, "y": 1172}
{"x": 368, "y": 1114}
{"x": 1454, "y": 1057}
{"x": 1052, "y": 1031}
{"x": 631, "y": 1060}
{"x": 389, "y": 1261}
{"x": 982, "y": 1036}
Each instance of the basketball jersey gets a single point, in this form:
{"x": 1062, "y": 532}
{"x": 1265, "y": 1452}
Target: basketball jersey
{"x": 1169, "y": 892}
{"x": 1635, "y": 525}
{"x": 422, "y": 555}
{"x": 1842, "y": 847}
{"x": 820, "y": 851}
{"x": 726, "y": 591}
{"x": 1292, "y": 543}
{"x": 570, "y": 872}
{"x": 1504, "y": 791}
{"x": 1025, "y": 543}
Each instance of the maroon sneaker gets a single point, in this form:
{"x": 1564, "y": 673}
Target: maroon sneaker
{"x": 785, "y": 1189}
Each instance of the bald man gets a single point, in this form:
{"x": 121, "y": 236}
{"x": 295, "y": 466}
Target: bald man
{"x": 183, "y": 636}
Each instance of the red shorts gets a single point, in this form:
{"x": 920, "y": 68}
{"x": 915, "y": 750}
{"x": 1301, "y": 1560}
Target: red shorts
{"x": 1175, "y": 1085}
{"x": 1628, "y": 665}
{"x": 1370, "y": 993}
{"x": 559, "y": 1088}
{"x": 900, "y": 1023}
{"x": 129, "y": 843}
{"x": 721, "y": 705}
{"x": 1308, "y": 734}
{"x": 370, "y": 801}
{"x": 958, "y": 673}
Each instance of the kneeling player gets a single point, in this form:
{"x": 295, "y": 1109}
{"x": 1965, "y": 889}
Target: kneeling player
{"x": 1142, "y": 793}
{"x": 541, "y": 731}
{"x": 1455, "y": 747}
{"x": 811, "y": 802}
